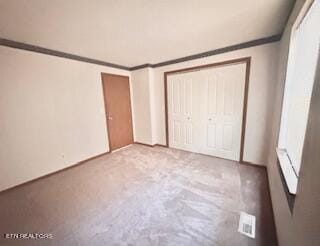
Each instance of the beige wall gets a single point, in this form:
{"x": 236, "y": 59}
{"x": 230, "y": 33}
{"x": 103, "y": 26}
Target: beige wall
{"x": 52, "y": 114}
{"x": 141, "y": 105}
{"x": 144, "y": 95}
{"x": 263, "y": 81}
{"x": 306, "y": 217}
{"x": 302, "y": 227}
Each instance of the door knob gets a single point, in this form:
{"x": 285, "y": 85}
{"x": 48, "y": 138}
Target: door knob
{"x": 109, "y": 117}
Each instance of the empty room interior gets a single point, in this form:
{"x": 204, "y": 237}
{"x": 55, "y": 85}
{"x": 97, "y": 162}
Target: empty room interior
{"x": 160, "y": 122}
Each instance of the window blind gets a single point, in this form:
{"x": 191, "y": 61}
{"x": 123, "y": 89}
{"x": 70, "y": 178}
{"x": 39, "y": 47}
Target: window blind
{"x": 307, "y": 42}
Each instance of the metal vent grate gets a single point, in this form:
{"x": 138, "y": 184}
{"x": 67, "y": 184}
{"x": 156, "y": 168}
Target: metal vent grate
{"x": 247, "y": 224}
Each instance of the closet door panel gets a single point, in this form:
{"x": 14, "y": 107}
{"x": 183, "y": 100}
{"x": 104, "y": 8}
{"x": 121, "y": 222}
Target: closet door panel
{"x": 180, "y": 111}
{"x": 205, "y": 110}
{"x": 224, "y": 87}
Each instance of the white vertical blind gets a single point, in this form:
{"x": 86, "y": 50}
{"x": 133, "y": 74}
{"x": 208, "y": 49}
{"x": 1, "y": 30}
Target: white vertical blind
{"x": 300, "y": 84}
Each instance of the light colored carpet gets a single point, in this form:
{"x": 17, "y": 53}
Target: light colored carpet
{"x": 142, "y": 196}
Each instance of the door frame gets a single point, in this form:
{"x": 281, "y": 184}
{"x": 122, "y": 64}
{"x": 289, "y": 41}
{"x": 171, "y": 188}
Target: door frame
{"x": 247, "y": 61}
{"x": 106, "y": 110}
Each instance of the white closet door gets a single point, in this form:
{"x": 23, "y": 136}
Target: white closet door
{"x": 205, "y": 110}
{"x": 223, "y": 94}
{"x": 183, "y": 96}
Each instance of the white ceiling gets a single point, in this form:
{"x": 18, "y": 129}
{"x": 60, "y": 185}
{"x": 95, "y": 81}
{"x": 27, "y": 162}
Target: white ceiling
{"x": 134, "y": 32}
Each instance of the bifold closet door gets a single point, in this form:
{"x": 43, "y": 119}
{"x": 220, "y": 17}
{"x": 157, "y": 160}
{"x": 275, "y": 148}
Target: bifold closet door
{"x": 223, "y": 96}
{"x": 183, "y": 113}
{"x": 205, "y": 109}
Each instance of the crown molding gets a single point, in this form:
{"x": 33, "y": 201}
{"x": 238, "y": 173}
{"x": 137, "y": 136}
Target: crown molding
{"x": 38, "y": 49}
{"x": 141, "y": 66}
{"x": 240, "y": 46}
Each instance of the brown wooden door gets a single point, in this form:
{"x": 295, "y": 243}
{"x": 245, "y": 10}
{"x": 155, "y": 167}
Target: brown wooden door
{"x": 116, "y": 91}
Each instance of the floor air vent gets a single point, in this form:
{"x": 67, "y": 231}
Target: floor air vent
{"x": 247, "y": 224}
